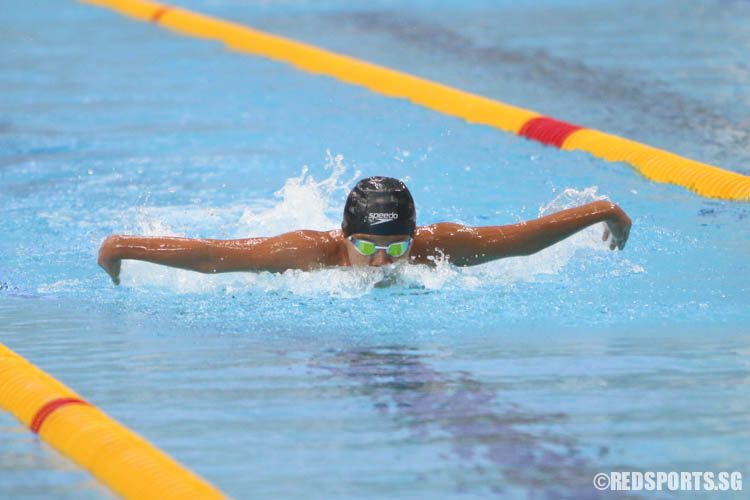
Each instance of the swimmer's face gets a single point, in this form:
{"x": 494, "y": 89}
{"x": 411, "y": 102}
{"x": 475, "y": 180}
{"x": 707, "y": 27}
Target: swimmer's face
{"x": 380, "y": 257}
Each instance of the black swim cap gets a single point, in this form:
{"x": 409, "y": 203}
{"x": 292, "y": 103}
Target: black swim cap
{"x": 379, "y": 205}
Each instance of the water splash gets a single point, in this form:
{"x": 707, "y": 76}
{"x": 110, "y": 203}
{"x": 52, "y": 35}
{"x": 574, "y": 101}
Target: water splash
{"x": 551, "y": 260}
{"x": 571, "y": 198}
{"x": 304, "y": 202}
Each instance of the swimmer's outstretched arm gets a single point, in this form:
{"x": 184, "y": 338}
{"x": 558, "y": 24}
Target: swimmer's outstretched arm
{"x": 295, "y": 250}
{"x": 468, "y": 246}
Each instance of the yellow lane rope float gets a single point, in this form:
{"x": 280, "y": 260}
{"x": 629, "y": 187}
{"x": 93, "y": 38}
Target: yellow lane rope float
{"x": 653, "y": 163}
{"x": 121, "y": 459}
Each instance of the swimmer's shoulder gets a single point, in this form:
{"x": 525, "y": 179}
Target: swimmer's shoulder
{"x": 330, "y": 244}
{"x": 321, "y": 239}
{"x": 309, "y": 248}
{"x": 436, "y": 241}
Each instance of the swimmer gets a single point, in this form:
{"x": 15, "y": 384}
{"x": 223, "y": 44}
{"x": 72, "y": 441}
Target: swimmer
{"x": 379, "y": 228}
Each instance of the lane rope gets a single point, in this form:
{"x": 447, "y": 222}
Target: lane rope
{"x": 655, "y": 164}
{"x": 548, "y": 130}
{"x": 121, "y": 459}
{"x": 46, "y": 410}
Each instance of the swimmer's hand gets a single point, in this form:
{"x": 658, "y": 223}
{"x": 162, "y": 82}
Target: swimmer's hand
{"x": 618, "y": 228}
{"x": 109, "y": 260}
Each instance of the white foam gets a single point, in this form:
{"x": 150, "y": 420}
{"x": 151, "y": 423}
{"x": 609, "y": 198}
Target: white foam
{"x": 303, "y": 202}
{"x": 59, "y": 286}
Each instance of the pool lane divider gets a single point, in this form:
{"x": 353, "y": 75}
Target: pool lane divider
{"x": 121, "y": 459}
{"x": 655, "y": 164}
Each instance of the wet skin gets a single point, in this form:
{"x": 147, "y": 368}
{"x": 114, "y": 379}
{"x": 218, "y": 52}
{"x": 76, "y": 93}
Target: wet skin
{"x": 307, "y": 250}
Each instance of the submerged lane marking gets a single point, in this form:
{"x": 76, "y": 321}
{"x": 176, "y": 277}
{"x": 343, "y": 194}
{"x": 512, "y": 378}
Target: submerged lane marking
{"x": 655, "y": 164}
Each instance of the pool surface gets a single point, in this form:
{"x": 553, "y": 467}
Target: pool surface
{"x": 521, "y": 378}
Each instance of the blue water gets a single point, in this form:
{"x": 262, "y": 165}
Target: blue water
{"x": 515, "y": 379}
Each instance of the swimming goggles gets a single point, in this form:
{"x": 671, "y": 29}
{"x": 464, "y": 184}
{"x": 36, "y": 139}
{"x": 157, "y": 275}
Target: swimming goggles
{"x": 367, "y": 248}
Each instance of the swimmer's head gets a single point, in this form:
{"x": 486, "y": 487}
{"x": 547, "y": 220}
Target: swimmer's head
{"x": 379, "y": 206}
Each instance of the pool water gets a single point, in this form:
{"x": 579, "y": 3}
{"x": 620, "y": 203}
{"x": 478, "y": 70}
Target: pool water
{"x": 519, "y": 378}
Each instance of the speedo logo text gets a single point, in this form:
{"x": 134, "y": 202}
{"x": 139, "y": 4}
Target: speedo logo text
{"x": 376, "y": 218}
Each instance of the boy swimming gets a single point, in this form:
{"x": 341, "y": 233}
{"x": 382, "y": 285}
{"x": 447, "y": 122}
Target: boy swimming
{"x": 378, "y": 228}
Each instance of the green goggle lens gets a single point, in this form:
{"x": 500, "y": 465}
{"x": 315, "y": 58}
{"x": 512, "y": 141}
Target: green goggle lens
{"x": 397, "y": 249}
{"x": 368, "y": 248}
{"x": 365, "y": 247}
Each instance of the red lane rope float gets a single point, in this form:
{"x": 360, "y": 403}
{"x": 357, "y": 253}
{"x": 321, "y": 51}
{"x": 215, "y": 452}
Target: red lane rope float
{"x": 548, "y": 130}
{"x": 121, "y": 459}
{"x": 654, "y": 164}
{"x": 46, "y": 410}
{"x": 159, "y": 13}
